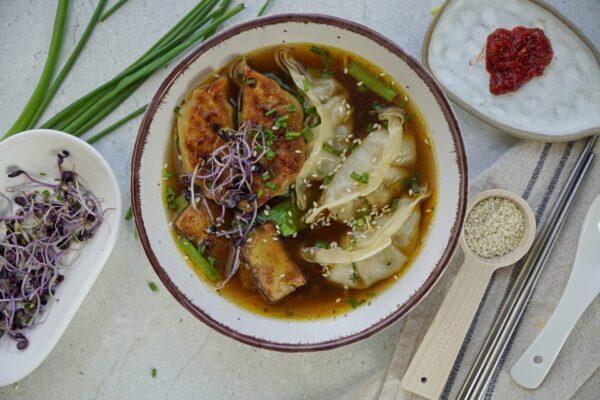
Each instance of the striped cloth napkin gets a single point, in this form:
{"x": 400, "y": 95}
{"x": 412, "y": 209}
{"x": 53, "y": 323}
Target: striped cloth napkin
{"x": 536, "y": 171}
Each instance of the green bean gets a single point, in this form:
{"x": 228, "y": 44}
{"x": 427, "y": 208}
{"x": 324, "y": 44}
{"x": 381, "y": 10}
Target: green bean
{"x": 361, "y": 74}
{"x": 69, "y": 64}
{"x": 116, "y": 125}
{"x": 38, "y": 94}
{"x": 207, "y": 269}
{"x": 111, "y": 10}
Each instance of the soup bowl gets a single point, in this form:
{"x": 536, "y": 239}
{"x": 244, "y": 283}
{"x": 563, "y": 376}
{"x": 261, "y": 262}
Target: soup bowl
{"x": 204, "y": 301}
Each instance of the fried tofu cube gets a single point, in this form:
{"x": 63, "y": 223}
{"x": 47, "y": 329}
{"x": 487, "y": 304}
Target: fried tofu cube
{"x": 273, "y": 271}
{"x": 194, "y": 223}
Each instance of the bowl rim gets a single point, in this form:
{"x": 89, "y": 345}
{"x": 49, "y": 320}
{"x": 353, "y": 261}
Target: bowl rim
{"x": 389, "y": 45}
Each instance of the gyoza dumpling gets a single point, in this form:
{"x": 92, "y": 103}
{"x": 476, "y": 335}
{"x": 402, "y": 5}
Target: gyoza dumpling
{"x": 362, "y": 274}
{"x": 365, "y": 244}
{"x": 408, "y": 152}
{"x": 200, "y": 118}
{"x": 386, "y": 262}
{"x": 327, "y": 143}
{"x": 264, "y": 103}
{"x": 365, "y": 169}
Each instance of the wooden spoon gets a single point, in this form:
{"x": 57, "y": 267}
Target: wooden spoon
{"x": 430, "y": 367}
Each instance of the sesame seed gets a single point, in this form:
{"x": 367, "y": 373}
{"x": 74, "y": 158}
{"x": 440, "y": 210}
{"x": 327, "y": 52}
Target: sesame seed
{"x": 382, "y": 74}
{"x": 264, "y": 240}
{"x": 345, "y": 70}
{"x": 348, "y": 190}
{"x": 359, "y": 83}
{"x": 338, "y": 300}
{"x": 395, "y": 277}
{"x": 298, "y": 151}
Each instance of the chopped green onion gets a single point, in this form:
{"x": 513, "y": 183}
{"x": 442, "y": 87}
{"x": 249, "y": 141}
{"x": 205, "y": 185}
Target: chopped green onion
{"x": 259, "y": 193}
{"x": 208, "y": 270}
{"x": 312, "y": 112}
{"x": 305, "y": 85}
{"x": 271, "y": 112}
{"x": 307, "y": 133}
{"x": 362, "y": 178}
{"x": 290, "y": 107}
{"x": 319, "y": 50}
{"x": 371, "y": 81}
{"x": 170, "y": 197}
{"x": 168, "y": 175}
{"x": 129, "y": 214}
{"x": 435, "y": 10}
{"x": 281, "y": 122}
{"x": 266, "y": 176}
{"x": 180, "y": 203}
{"x": 377, "y": 107}
{"x": 354, "y": 275}
{"x": 270, "y": 154}
{"x": 153, "y": 286}
{"x": 328, "y": 179}
{"x": 176, "y": 110}
{"x": 394, "y": 204}
{"x": 326, "y": 74}
{"x": 353, "y": 302}
{"x": 331, "y": 150}
{"x": 292, "y": 135}
{"x": 413, "y": 183}
{"x": 271, "y": 186}
{"x": 154, "y": 372}
{"x": 350, "y": 149}
{"x": 321, "y": 244}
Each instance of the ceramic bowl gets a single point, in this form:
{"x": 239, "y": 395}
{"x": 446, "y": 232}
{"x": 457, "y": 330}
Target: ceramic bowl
{"x": 202, "y": 300}
{"x": 36, "y": 151}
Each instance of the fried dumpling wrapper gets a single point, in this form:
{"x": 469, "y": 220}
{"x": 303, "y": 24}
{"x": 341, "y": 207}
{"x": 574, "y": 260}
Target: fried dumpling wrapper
{"x": 260, "y": 96}
{"x": 331, "y": 102}
{"x": 373, "y": 158}
{"x": 200, "y": 118}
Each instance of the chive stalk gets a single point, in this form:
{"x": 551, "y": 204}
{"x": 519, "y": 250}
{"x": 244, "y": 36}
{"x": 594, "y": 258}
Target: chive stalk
{"x": 68, "y": 64}
{"x": 117, "y": 124}
{"x": 37, "y": 96}
{"x": 111, "y": 10}
{"x": 264, "y": 8}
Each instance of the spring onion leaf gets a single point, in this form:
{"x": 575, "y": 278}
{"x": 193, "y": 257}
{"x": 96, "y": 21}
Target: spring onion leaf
{"x": 361, "y": 74}
{"x": 153, "y": 286}
{"x": 207, "y": 268}
{"x": 331, "y": 150}
{"x": 153, "y": 373}
{"x": 354, "y": 275}
{"x": 129, "y": 214}
{"x": 321, "y": 244}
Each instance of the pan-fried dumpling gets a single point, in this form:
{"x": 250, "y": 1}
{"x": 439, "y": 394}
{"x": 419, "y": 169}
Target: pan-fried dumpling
{"x": 200, "y": 118}
{"x": 328, "y": 141}
{"x": 261, "y": 95}
{"x": 365, "y": 169}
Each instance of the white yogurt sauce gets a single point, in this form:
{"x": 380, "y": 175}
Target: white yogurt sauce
{"x": 565, "y": 100}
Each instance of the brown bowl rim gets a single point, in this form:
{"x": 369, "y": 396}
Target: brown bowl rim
{"x": 443, "y": 103}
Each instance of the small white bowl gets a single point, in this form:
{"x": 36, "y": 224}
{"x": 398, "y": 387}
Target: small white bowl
{"x": 201, "y": 299}
{"x": 36, "y": 151}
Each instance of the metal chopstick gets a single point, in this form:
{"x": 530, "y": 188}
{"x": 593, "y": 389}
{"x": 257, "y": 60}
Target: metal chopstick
{"x": 495, "y": 344}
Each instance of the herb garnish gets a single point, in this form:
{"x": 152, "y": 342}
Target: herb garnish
{"x": 413, "y": 183}
{"x": 362, "y": 178}
{"x": 354, "y": 274}
{"x": 170, "y": 197}
{"x": 153, "y": 286}
{"x": 331, "y": 150}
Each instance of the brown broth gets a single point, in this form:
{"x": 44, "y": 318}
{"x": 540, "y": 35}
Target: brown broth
{"x": 319, "y": 298}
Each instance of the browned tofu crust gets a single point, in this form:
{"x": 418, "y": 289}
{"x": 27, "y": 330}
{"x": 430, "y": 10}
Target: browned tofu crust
{"x": 273, "y": 271}
{"x": 260, "y": 96}
{"x": 194, "y": 225}
{"x": 205, "y": 112}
